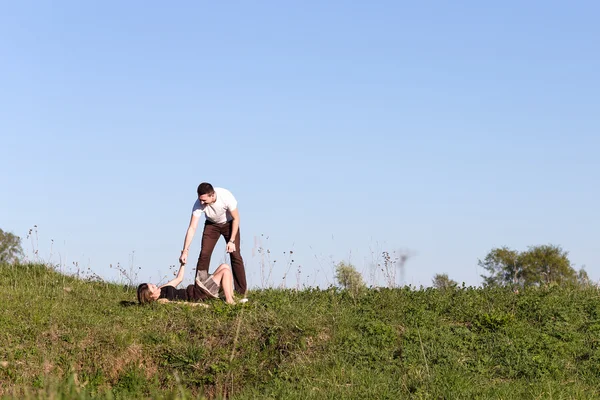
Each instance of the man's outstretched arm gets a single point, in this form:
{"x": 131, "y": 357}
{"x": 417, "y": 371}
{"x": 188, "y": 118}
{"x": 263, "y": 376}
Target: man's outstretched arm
{"x": 189, "y": 236}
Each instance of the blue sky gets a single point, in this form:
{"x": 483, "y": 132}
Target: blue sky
{"x": 344, "y": 129}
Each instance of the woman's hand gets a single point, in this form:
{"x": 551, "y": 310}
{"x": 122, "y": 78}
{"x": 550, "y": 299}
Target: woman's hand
{"x": 183, "y": 257}
{"x": 177, "y": 280}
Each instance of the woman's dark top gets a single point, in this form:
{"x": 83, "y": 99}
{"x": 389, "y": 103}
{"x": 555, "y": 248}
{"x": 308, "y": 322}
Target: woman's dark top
{"x": 191, "y": 293}
{"x": 170, "y": 293}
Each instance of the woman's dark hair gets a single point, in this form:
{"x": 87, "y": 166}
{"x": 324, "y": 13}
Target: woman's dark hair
{"x": 143, "y": 293}
{"x": 205, "y": 188}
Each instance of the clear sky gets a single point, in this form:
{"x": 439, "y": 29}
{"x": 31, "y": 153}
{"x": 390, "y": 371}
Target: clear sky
{"x": 344, "y": 129}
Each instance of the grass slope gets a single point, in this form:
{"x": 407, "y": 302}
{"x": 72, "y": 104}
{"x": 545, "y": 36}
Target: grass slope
{"x": 66, "y": 338}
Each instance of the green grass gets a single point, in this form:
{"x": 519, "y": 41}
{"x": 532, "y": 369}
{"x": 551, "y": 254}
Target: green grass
{"x": 67, "y": 338}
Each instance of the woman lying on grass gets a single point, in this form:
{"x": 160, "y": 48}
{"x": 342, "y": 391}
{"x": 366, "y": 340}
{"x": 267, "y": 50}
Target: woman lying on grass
{"x": 221, "y": 278}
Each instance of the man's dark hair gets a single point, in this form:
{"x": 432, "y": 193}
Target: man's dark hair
{"x": 205, "y": 188}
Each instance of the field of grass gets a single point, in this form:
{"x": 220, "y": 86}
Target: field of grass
{"x": 61, "y": 337}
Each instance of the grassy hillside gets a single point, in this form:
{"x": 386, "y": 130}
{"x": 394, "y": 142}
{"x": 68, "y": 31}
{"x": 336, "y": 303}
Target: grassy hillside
{"x": 64, "y": 338}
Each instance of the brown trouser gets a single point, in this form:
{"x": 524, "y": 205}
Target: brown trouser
{"x": 210, "y": 236}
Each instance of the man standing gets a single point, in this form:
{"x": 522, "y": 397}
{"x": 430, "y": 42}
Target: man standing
{"x": 221, "y": 218}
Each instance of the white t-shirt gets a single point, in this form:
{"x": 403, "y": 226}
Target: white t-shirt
{"x": 220, "y": 211}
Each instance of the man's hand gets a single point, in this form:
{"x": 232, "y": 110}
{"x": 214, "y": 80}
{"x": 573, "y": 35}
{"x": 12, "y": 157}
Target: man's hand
{"x": 230, "y": 247}
{"x": 183, "y": 258}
